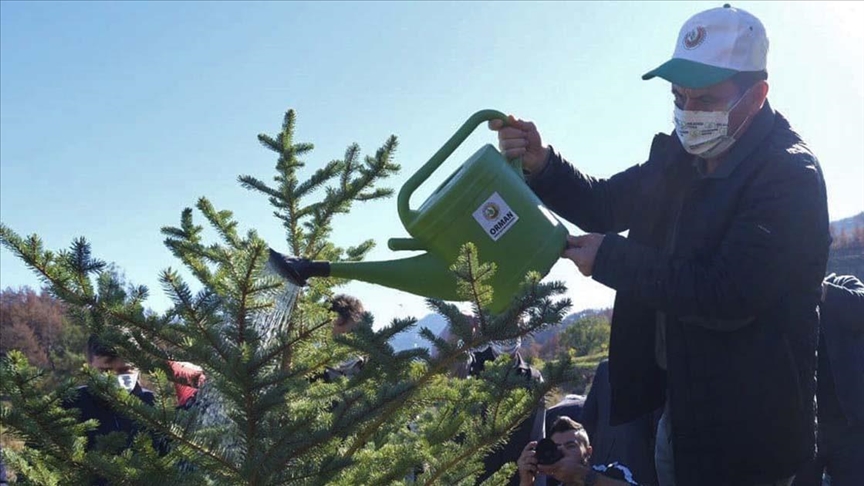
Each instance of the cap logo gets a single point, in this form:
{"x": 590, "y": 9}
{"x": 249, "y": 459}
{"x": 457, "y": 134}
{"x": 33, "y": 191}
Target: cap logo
{"x": 694, "y": 37}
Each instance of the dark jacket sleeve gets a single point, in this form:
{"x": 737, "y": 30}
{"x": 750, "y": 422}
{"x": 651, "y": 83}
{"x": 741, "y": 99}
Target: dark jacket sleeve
{"x": 594, "y": 205}
{"x": 81, "y": 400}
{"x": 767, "y": 242}
{"x": 844, "y": 303}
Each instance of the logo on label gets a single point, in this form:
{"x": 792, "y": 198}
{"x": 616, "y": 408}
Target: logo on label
{"x": 491, "y": 211}
{"x": 495, "y": 216}
{"x": 695, "y": 37}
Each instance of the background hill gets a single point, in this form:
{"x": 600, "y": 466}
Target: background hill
{"x": 847, "y": 250}
{"x": 411, "y": 339}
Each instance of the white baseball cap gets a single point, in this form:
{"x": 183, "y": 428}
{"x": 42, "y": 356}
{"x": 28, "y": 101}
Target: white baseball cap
{"x": 713, "y": 46}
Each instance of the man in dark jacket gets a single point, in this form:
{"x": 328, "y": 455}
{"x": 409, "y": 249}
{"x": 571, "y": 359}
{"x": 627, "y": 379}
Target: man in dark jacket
{"x": 573, "y": 466}
{"x": 571, "y": 407}
{"x": 111, "y": 421}
{"x": 631, "y": 443}
{"x": 840, "y": 391}
{"x": 718, "y": 281}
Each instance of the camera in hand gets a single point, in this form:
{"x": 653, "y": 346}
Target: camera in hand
{"x": 547, "y": 452}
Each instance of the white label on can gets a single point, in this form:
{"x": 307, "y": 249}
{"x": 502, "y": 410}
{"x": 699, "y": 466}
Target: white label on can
{"x": 495, "y": 216}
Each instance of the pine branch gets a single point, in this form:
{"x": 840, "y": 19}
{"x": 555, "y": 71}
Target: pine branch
{"x": 174, "y": 284}
{"x": 319, "y": 178}
{"x": 249, "y": 182}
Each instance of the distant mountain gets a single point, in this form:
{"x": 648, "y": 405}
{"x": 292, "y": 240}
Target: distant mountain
{"x": 847, "y": 224}
{"x": 847, "y": 251}
{"x": 411, "y": 339}
{"x": 546, "y": 334}
{"x": 436, "y": 323}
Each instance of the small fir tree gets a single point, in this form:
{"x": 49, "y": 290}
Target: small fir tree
{"x": 263, "y": 418}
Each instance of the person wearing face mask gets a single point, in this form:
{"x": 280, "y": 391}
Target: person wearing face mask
{"x": 111, "y": 419}
{"x": 718, "y": 281}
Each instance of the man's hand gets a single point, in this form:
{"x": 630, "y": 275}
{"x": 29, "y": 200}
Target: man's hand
{"x": 568, "y": 470}
{"x": 583, "y": 251}
{"x": 527, "y": 464}
{"x": 519, "y": 138}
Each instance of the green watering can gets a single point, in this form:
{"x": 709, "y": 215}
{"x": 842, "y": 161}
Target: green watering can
{"x": 485, "y": 201}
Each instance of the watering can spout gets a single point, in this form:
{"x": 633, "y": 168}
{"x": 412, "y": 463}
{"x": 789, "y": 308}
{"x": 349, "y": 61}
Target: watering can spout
{"x": 297, "y": 270}
{"x": 423, "y": 275}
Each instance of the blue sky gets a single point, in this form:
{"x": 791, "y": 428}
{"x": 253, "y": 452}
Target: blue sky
{"x": 116, "y": 116}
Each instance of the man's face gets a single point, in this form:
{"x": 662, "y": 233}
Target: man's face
{"x": 115, "y": 366}
{"x": 570, "y": 445}
{"x": 342, "y": 325}
{"x": 720, "y": 97}
{"x": 574, "y": 464}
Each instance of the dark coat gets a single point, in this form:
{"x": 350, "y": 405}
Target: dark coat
{"x": 92, "y": 407}
{"x": 631, "y": 443}
{"x": 571, "y": 406}
{"x": 842, "y": 332}
{"x": 734, "y": 261}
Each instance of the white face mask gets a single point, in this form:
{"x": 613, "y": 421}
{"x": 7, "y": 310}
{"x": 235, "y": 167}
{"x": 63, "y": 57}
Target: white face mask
{"x": 128, "y": 380}
{"x": 705, "y": 133}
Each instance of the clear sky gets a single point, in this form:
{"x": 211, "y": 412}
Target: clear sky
{"x": 116, "y": 116}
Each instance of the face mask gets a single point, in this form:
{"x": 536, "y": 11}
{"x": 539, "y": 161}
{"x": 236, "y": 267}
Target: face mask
{"x": 128, "y": 380}
{"x": 704, "y": 133}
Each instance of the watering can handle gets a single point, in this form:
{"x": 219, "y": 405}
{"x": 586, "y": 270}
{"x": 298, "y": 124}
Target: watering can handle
{"x": 405, "y": 212}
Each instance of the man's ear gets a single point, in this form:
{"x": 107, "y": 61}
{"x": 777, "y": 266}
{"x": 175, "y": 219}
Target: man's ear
{"x": 760, "y": 93}
{"x": 588, "y": 452}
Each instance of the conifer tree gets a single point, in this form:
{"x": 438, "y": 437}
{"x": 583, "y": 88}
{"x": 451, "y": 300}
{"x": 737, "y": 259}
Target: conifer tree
{"x": 263, "y": 418}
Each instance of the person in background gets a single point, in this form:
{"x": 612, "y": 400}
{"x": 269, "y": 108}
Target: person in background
{"x": 573, "y": 468}
{"x": 631, "y": 443}
{"x": 840, "y": 391}
{"x": 110, "y": 420}
{"x": 349, "y": 314}
{"x": 570, "y": 406}
{"x": 530, "y": 429}
{"x": 188, "y": 380}
{"x": 105, "y": 359}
